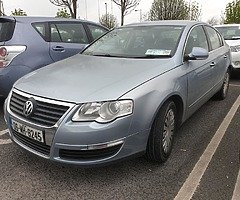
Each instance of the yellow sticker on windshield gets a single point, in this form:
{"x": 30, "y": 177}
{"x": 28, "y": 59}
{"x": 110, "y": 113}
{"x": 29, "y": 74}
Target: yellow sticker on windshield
{"x": 158, "y": 52}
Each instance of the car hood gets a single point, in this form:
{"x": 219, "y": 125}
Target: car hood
{"x": 84, "y": 78}
{"x": 233, "y": 42}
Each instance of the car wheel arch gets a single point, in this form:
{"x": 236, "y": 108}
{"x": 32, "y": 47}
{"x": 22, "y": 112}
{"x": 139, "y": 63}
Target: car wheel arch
{"x": 178, "y": 100}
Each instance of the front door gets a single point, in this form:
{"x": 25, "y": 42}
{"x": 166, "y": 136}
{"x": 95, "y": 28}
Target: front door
{"x": 200, "y": 71}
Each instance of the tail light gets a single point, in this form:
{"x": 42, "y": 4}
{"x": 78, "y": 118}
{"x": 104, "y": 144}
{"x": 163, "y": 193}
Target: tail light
{"x": 8, "y": 53}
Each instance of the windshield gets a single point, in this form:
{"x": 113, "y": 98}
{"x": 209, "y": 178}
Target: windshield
{"x": 230, "y": 32}
{"x": 138, "y": 42}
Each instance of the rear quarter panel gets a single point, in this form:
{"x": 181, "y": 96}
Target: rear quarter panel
{"x": 37, "y": 52}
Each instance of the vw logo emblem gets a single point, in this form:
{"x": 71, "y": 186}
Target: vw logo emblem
{"x": 28, "y": 108}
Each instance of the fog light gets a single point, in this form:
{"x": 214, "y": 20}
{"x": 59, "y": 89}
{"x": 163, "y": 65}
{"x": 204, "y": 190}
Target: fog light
{"x": 237, "y": 63}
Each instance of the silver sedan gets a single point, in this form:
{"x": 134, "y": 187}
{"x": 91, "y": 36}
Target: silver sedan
{"x": 125, "y": 94}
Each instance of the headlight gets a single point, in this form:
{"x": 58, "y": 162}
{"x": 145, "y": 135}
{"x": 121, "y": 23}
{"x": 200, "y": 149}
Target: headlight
{"x": 103, "y": 112}
{"x": 235, "y": 48}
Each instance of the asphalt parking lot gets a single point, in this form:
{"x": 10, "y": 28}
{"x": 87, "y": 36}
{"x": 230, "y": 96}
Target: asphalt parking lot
{"x": 199, "y": 167}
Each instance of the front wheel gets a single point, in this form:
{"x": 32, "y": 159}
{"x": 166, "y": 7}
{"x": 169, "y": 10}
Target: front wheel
{"x": 222, "y": 93}
{"x": 161, "y": 137}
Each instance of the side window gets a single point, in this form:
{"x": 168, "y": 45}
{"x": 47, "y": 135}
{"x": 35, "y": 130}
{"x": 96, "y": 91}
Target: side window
{"x": 197, "y": 38}
{"x": 96, "y": 31}
{"x": 41, "y": 29}
{"x": 68, "y": 33}
{"x": 214, "y": 38}
{"x": 221, "y": 39}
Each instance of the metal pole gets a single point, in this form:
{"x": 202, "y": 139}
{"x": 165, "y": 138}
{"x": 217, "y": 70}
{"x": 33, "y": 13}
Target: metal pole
{"x": 140, "y": 15}
{"x": 86, "y": 9}
{"x": 106, "y": 14}
{"x": 112, "y": 7}
{"x": 1, "y": 13}
{"x": 98, "y": 10}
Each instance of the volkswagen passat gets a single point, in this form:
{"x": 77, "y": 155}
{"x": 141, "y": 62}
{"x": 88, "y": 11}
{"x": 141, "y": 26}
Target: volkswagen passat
{"x": 129, "y": 94}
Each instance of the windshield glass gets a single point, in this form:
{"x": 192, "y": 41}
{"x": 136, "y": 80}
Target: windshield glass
{"x": 138, "y": 42}
{"x": 230, "y": 32}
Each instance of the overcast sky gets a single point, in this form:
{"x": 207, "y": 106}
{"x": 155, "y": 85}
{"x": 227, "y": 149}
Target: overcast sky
{"x": 89, "y": 9}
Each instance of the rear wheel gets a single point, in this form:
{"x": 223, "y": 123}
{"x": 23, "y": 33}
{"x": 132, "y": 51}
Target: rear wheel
{"x": 161, "y": 137}
{"x": 222, "y": 93}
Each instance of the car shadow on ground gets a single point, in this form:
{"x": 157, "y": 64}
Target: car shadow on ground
{"x": 235, "y": 75}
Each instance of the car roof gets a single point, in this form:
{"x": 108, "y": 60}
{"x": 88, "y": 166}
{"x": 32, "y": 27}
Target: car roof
{"x": 226, "y": 25}
{"x": 29, "y": 19}
{"x": 167, "y": 22}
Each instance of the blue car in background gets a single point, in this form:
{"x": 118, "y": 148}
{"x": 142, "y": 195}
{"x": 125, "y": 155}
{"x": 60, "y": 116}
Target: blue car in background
{"x": 28, "y": 43}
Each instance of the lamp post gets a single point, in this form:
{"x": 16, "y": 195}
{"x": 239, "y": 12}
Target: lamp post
{"x": 106, "y": 13}
{"x": 86, "y": 9}
{"x": 140, "y": 14}
{"x": 98, "y": 10}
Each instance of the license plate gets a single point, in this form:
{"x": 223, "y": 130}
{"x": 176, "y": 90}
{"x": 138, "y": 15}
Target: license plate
{"x": 28, "y": 131}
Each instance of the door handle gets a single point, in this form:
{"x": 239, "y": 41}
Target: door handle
{"x": 213, "y": 64}
{"x": 58, "y": 48}
{"x": 225, "y": 56}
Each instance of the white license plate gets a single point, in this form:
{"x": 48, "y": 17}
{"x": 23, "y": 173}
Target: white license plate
{"x": 28, "y": 131}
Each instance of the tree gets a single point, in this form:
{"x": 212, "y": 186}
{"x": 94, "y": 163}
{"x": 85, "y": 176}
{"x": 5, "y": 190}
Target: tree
{"x": 109, "y": 21}
{"x": 213, "y": 21}
{"x": 174, "y": 10}
{"x": 19, "y": 12}
{"x": 194, "y": 11}
{"x": 62, "y": 13}
{"x": 232, "y": 12}
{"x": 126, "y": 6}
{"x": 70, "y": 4}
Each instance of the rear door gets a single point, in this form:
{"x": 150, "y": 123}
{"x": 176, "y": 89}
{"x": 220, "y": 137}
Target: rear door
{"x": 95, "y": 31}
{"x": 220, "y": 54}
{"x": 66, "y": 39}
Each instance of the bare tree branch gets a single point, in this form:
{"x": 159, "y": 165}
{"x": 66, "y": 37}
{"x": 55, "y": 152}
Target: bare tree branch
{"x": 70, "y": 4}
{"x": 174, "y": 10}
{"x": 126, "y": 6}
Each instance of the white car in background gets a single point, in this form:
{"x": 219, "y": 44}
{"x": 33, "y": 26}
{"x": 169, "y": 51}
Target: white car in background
{"x": 231, "y": 34}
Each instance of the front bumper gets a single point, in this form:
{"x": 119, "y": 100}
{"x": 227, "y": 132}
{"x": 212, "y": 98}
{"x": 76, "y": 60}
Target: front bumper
{"x": 235, "y": 60}
{"x": 85, "y": 144}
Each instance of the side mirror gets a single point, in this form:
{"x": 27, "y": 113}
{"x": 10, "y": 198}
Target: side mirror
{"x": 197, "y": 53}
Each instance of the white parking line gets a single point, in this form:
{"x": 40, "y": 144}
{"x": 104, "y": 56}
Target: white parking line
{"x": 236, "y": 192}
{"x": 3, "y": 132}
{"x": 189, "y": 187}
{"x": 7, "y": 141}
{"x": 234, "y": 85}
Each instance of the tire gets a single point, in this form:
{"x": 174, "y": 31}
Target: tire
{"x": 160, "y": 140}
{"x": 222, "y": 93}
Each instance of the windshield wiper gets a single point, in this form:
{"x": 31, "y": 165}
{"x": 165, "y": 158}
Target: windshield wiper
{"x": 153, "y": 56}
{"x": 103, "y": 55}
{"x": 232, "y": 38}
{"x": 108, "y": 55}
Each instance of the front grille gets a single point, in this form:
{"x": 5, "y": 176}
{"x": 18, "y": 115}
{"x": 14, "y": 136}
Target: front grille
{"x": 45, "y": 114}
{"x": 35, "y": 145}
{"x": 89, "y": 154}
